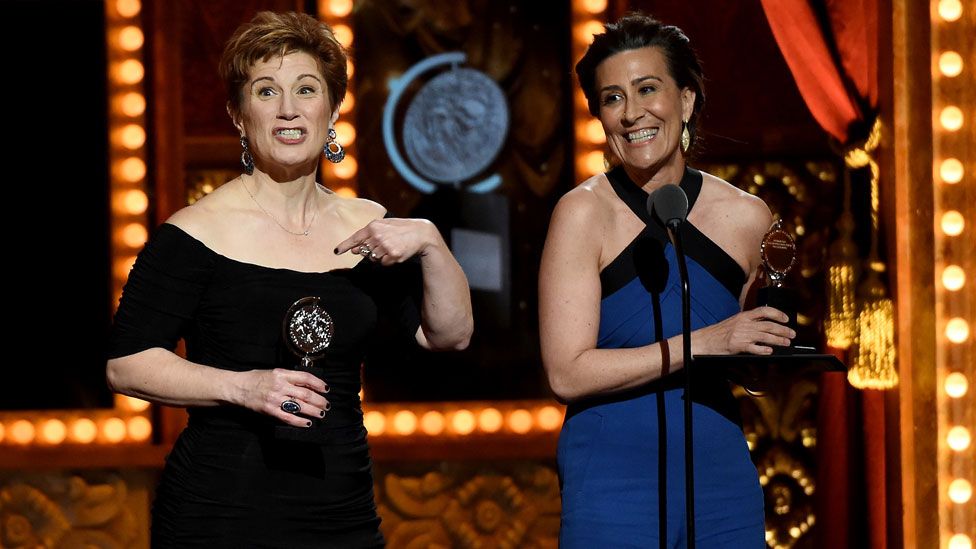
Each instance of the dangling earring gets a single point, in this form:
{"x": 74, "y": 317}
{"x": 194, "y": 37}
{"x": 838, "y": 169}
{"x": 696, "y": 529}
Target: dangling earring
{"x": 685, "y": 136}
{"x": 246, "y": 159}
{"x": 333, "y": 150}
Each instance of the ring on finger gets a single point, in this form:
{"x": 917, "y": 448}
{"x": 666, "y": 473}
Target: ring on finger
{"x": 365, "y": 250}
{"x": 290, "y": 406}
{"x": 373, "y": 256}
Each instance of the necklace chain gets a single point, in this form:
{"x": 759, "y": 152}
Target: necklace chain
{"x": 275, "y": 219}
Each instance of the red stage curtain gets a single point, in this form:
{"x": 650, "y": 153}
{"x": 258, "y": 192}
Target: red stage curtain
{"x": 834, "y": 60}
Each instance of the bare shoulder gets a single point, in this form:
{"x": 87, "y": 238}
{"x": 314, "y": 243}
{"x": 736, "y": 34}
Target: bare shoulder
{"x": 357, "y": 212}
{"x": 204, "y": 218}
{"x": 734, "y": 203}
{"x": 585, "y": 204}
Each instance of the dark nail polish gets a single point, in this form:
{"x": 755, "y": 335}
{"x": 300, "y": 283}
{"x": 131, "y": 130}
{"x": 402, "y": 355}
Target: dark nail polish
{"x": 322, "y": 413}
{"x": 328, "y": 406}
{"x": 308, "y": 423}
{"x": 336, "y": 251}
{"x": 326, "y": 389}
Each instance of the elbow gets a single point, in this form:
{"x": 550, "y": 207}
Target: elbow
{"x": 562, "y": 387}
{"x": 115, "y": 376}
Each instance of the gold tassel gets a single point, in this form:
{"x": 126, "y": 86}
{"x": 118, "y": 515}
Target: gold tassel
{"x": 874, "y": 362}
{"x": 840, "y": 323}
{"x": 874, "y": 356}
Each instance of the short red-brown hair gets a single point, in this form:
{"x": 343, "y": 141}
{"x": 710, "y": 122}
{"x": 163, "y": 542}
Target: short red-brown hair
{"x": 272, "y": 34}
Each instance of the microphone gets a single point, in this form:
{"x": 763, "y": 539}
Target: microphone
{"x": 670, "y": 204}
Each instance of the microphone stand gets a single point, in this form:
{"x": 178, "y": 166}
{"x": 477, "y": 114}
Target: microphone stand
{"x": 675, "y": 236}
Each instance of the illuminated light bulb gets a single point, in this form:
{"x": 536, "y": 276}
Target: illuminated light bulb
{"x": 130, "y": 38}
{"x": 1, "y": 432}
{"x": 348, "y": 102}
{"x": 375, "y": 422}
{"x": 953, "y": 223}
{"x": 490, "y": 420}
{"x": 134, "y": 235}
{"x": 133, "y": 104}
{"x": 463, "y": 422}
{"x": 128, "y": 8}
{"x": 140, "y": 428}
{"x": 350, "y": 69}
{"x": 432, "y": 423}
{"x": 343, "y": 34}
{"x": 795, "y": 532}
{"x": 131, "y": 72}
{"x": 957, "y": 330}
{"x": 53, "y": 431}
{"x": 951, "y": 118}
{"x": 593, "y": 131}
{"x": 340, "y": 8}
{"x": 950, "y": 64}
{"x": 347, "y": 168}
{"x": 592, "y": 163}
{"x": 83, "y": 430}
{"x": 132, "y": 136}
{"x": 132, "y": 403}
{"x": 549, "y": 418}
{"x": 123, "y": 266}
{"x": 960, "y": 490}
{"x": 951, "y": 170}
{"x": 345, "y": 133}
{"x": 520, "y": 421}
{"x": 594, "y": 6}
{"x": 113, "y": 430}
{"x": 960, "y": 541}
{"x": 958, "y": 438}
{"x": 132, "y": 169}
{"x": 21, "y": 432}
{"x": 404, "y": 422}
{"x": 953, "y": 278}
{"x": 950, "y": 10}
{"x": 133, "y": 202}
{"x": 956, "y": 385}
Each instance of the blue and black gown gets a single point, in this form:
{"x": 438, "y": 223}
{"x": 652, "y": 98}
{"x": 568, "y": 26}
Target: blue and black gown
{"x": 231, "y": 480}
{"x": 612, "y": 448}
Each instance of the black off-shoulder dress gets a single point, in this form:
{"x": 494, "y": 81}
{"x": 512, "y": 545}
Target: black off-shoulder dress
{"x": 230, "y": 481}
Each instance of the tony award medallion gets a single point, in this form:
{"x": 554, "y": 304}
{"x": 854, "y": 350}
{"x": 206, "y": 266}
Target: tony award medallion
{"x": 778, "y": 253}
{"x": 307, "y": 330}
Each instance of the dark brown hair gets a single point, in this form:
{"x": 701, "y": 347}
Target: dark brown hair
{"x": 634, "y": 31}
{"x": 272, "y": 34}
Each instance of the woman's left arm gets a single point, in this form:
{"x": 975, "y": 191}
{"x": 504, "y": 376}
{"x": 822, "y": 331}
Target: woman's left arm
{"x": 446, "y": 321}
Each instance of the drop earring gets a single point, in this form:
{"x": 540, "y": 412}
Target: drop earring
{"x": 246, "y": 159}
{"x": 333, "y": 149}
{"x": 685, "y": 137}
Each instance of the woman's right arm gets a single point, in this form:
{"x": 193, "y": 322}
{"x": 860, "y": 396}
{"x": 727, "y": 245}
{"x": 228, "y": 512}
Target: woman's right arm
{"x": 163, "y": 377}
{"x": 569, "y": 310}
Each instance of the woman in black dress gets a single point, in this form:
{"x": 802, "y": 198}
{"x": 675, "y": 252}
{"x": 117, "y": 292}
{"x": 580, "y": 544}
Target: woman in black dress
{"x": 274, "y": 456}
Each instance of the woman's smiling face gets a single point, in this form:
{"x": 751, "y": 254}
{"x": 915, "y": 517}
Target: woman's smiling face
{"x": 642, "y": 111}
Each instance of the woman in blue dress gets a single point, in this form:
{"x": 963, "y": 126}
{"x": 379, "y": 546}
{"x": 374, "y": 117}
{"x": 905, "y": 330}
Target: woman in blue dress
{"x": 610, "y": 312}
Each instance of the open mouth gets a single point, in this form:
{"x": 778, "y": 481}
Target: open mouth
{"x": 641, "y": 136}
{"x": 290, "y": 133}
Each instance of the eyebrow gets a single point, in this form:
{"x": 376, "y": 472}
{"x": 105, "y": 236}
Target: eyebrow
{"x": 270, "y": 79}
{"x": 633, "y": 82}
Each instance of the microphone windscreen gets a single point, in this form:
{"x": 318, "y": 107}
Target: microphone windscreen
{"x": 669, "y": 203}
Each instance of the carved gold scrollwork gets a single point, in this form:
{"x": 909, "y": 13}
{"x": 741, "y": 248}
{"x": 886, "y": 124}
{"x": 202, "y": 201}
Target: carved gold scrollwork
{"x": 470, "y": 506}
{"x": 56, "y": 509}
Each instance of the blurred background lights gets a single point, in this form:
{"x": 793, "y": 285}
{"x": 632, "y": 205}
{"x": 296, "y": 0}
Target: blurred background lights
{"x": 958, "y": 438}
{"x": 953, "y": 223}
{"x": 951, "y": 170}
{"x": 956, "y": 385}
{"x": 953, "y": 277}
{"x": 950, "y": 64}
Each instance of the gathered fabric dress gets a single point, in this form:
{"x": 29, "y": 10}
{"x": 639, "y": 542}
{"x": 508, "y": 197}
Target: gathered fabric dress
{"x": 621, "y": 457}
{"x": 231, "y": 479}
